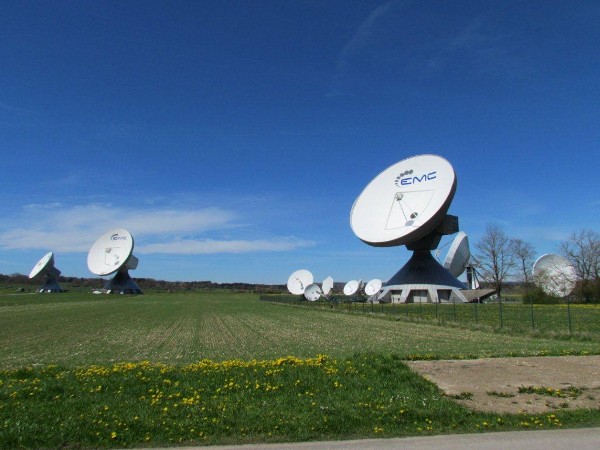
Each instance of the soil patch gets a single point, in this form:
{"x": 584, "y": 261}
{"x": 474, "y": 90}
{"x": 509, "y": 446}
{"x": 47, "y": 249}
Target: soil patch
{"x": 512, "y": 385}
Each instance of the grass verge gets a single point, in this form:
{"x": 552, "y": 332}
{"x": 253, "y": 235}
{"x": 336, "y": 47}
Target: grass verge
{"x": 234, "y": 402}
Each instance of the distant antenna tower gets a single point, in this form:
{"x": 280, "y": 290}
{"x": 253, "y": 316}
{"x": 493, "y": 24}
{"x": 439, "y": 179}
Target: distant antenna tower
{"x": 313, "y": 292}
{"x": 351, "y": 288}
{"x": 299, "y": 281}
{"x": 327, "y": 286}
{"x": 372, "y": 288}
{"x": 554, "y": 275}
{"x": 112, "y": 253}
{"x": 459, "y": 258}
{"x": 46, "y": 267}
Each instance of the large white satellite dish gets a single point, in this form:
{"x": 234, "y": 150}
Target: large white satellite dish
{"x": 312, "y": 292}
{"x": 458, "y": 255}
{"x": 351, "y": 287}
{"x": 554, "y": 275}
{"x": 299, "y": 281}
{"x": 327, "y": 285}
{"x": 46, "y": 267}
{"x": 373, "y": 287}
{"x": 405, "y": 202}
{"x": 113, "y": 253}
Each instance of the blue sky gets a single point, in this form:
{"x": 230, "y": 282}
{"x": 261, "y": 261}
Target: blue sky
{"x": 232, "y": 138}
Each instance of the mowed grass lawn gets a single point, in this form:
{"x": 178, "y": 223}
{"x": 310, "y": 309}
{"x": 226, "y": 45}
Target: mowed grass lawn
{"x": 76, "y": 329}
{"x": 85, "y": 371}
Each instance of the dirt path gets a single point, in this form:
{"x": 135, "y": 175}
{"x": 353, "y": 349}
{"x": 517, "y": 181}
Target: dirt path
{"x": 493, "y": 384}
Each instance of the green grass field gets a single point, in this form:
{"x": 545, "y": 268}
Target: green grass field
{"x": 75, "y": 329}
{"x": 560, "y": 320}
{"x": 84, "y": 371}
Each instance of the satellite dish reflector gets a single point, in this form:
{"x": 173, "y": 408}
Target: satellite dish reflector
{"x": 46, "y": 267}
{"x": 554, "y": 275}
{"x": 327, "y": 285}
{"x": 312, "y": 292}
{"x": 373, "y": 287}
{"x": 351, "y": 287}
{"x": 458, "y": 255}
{"x": 112, "y": 253}
{"x": 299, "y": 281}
{"x": 405, "y": 202}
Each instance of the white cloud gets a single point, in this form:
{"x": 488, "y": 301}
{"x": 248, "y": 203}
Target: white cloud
{"x": 71, "y": 229}
{"x": 209, "y": 246}
{"x": 362, "y": 35}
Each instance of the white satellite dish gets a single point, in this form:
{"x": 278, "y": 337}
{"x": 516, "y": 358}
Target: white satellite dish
{"x": 373, "y": 287}
{"x": 554, "y": 275}
{"x": 312, "y": 292}
{"x": 327, "y": 285}
{"x": 299, "y": 281}
{"x": 405, "y": 202}
{"x": 351, "y": 287}
{"x": 458, "y": 255}
{"x": 46, "y": 267}
{"x": 113, "y": 253}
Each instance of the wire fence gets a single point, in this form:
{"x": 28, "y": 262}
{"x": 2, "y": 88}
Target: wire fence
{"x": 553, "y": 320}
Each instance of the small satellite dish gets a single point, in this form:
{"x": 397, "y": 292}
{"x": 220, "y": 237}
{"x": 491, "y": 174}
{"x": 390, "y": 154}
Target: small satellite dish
{"x": 351, "y": 287}
{"x": 299, "y": 281}
{"x": 458, "y": 255}
{"x": 312, "y": 292}
{"x": 46, "y": 267}
{"x": 373, "y": 287}
{"x": 113, "y": 253}
{"x": 45, "y": 264}
{"x": 327, "y": 285}
{"x": 405, "y": 202}
{"x": 554, "y": 275}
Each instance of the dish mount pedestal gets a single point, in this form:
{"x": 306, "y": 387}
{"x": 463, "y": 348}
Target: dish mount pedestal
{"x": 122, "y": 283}
{"x": 422, "y": 278}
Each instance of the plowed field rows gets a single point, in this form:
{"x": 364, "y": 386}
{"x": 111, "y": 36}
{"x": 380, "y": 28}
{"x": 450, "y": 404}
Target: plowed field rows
{"x": 78, "y": 329}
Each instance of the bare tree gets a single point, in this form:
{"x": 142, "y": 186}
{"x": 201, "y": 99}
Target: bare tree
{"x": 495, "y": 257}
{"x": 582, "y": 249}
{"x": 524, "y": 255}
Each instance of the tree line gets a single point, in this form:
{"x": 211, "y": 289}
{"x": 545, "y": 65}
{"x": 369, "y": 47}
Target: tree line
{"x": 148, "y": 284}
{"x": 500, "y": 258}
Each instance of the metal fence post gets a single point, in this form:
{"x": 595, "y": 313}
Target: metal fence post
{"x": 500, "y": 310}
{"x": 532, "y": 318}
{"x": 569, "y": 313}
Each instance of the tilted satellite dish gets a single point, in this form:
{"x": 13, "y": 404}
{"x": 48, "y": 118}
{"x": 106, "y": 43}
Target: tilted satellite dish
{"x": 373, "y": 287}
{"x": 327, "y": 285}
{"x": 351, "y": 287}
{"x": 299, "y": 281}
{"x": 458, "y": 255}
{"x": 405, "y": 202}
{"x": 46, "y": 266}
{"x": 554, "y": 275}
{"x": 112, "y": 253}
{"x": 312, "y": 292}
